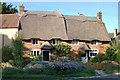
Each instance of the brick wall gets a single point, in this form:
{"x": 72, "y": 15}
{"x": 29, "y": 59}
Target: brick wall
{"x": 74, "y": 48}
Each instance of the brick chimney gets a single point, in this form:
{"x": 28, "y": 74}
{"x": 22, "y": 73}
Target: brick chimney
{"x": 115, "y": 32}
{"x": 21, "y": 9}
{"x": 99, "y": 15}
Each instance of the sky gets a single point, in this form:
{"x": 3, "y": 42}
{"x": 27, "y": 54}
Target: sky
{"x": 109, "y": 10}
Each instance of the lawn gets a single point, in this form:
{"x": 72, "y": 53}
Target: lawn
{"x": 25, "y": 75}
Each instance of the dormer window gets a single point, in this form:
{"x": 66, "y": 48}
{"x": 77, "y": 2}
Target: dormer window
{"x": 56, "y": 41}
{"x": 93, "y": 42}
{"x": 35, "y": 41}
{"x": 75, "y": 42}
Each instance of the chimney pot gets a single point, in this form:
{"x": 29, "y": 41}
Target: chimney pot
{"x": 99, "y": 15}
{"x": 115, "y": 32}
{"x": 21, "y": 9}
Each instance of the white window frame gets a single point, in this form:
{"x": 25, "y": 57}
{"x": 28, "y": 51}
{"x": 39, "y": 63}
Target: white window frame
{"x": 36, "y": 51}
{"x": 92, "y": 52}
{"x": 56, "y": 41}
{"x": 94, "y": 42}
{"x": 76, "y": 41}
{"x": 49, "y": 54}
{"x": 35, "y": 42}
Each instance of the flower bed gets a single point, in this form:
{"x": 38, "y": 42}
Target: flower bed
{"x": 59, "y": 67}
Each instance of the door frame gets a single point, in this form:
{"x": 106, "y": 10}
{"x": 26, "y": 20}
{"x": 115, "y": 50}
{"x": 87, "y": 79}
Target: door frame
{"x": 49, "y": 54}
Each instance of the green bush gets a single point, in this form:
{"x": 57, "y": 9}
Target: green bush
{"x": 90, "y": 70}
{"x": 7, "y": 54}
{"x": 9, "y": 70}
{"x": 22, "y": 64}
{"x": 61, "y": 50}
{"x": 99, "y": 58}
{"x": 33, "y": 71}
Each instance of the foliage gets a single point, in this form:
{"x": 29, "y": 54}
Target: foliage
{"x": 8, "y": 9}
{"x": 75, "y": 57}
{"x": 6, "y": 54}
{"x": 18, "y": 51}
{"x": 99, "y": 58}
{"x": 36, "y": 58}
{"x": 20, "y": 64}
{"x": 91, "y": 70}
{"x": 113, "y": 52}
{"x": 61, "y": 49}
{"x": 33, "y": 70}
{"x": 9, "y": 70}
{"x": 61, "y": 68}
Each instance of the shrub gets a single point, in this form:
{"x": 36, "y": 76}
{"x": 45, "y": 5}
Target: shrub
{"x": 6, "y": 54}
{"x": 22, "y": 64}
{"x": 33, "y": 70}
{"x": 90, "y": 70}
{"x": 99, "y": 58}
{"x": 61, "y": 49}
{"x": 60, "y": 68}
{"x": 9, "y": 70}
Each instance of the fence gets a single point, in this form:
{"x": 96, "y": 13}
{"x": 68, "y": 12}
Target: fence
{"x": 97, "y": 66}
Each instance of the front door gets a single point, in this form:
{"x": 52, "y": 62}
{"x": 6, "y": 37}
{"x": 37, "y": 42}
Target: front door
{"x": 45, "y": 55}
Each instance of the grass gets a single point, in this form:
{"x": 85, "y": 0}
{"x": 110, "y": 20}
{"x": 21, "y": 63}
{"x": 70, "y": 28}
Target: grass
{"x": 25, "y": 75}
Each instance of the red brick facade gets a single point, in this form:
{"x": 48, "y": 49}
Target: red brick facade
{"x": 101, "y": 46}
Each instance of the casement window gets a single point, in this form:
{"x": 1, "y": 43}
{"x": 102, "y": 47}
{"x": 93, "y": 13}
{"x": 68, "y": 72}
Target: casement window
{"x": 93, "y": 42}
{"x": 35, "y": 41}
{"x": 75, "y": 42}
{"x": 93, "y": 52}
{"x": 35, "y": 53}
{"x": 56, "y": 41}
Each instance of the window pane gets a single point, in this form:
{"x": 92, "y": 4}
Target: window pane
{"x": 33, "y": 41}
{"x": 37, "y": 53}
{"x": 34, "y": 53}
{"x": 90, "y": 54}
{"x": 36, "y": 41}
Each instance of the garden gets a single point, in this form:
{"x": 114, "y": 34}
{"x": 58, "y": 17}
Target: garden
{"x": 110, "y": 60}
{"x": 16, "y": 65}
{"x": 62, "y": 64}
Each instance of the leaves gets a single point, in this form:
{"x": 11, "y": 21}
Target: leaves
{"x": 61, "y": 50}
{"x": 8, "y": 9}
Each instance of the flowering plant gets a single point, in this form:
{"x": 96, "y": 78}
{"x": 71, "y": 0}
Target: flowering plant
{"x": 59, "y": 67}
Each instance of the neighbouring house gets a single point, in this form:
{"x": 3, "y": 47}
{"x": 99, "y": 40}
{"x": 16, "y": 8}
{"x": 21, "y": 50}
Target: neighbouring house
{"x": 8, "y": 28}
{"x": 40, "y": 29}
{"x": 115, "y": 37}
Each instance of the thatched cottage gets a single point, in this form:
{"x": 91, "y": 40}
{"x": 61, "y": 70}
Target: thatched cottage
{"x": 40, "y": 29}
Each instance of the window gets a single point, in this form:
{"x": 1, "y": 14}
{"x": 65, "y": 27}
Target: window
{"x": 75, "y": 42}
{"x": 93, "y": 42}
{"x": 55, "y": 41}
{"x": 35, "y": 41}
{"x": 93, "y": 52}
{"x": 34, "y": 53}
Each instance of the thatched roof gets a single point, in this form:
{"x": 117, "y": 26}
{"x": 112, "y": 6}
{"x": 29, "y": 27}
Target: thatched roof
{"x": 86, "y": 28}
{"x": 9, "y": 20}
{"x": 43, "y": 25}
{"x": 48, "y": 25}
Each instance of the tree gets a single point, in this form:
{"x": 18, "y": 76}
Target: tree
{"x": 8, "y": 9}
{"x": 18, "y": 53}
